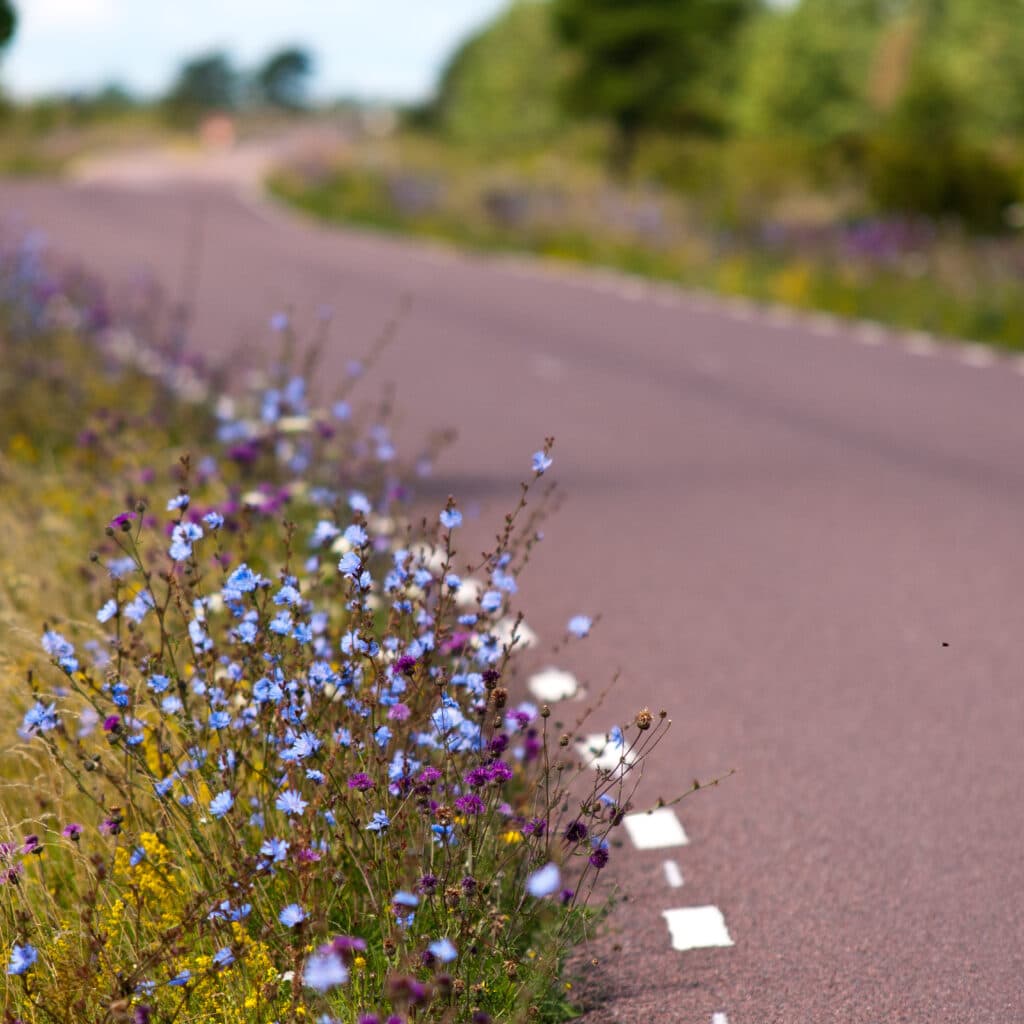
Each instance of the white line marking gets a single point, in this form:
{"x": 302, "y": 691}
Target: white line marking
{"x": 697, "y": 928}
{"x": 742, "y": 310}
{"x": 719, "y": 1018}
{"x": 631, "y": 291}
{"x": 552, "y": 684}
{"x": 1018, "y": 365}
{"x": 868, "y": 333}
{"x": 547, "y": 367}
{"x": 673, "y": 875}
{"x": 598, "y": 752}
{"x": 920, "y": 344}
{"x": 978, "y": 356}
{"x": 655, "y": 831}
{"x": 823, "y": 325}
{"x": 782, "y": 317}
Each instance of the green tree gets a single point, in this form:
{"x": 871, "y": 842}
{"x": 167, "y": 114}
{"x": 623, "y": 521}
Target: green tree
{"x": 980, "y": 45}
{"x": 501, "y": 86}
{"x": 8, "y": 22}
{"x": 650, "y": 64}
{"x": 208, "y": 82}
{"x": 283, "y": 80}
{"x": 808, "y": 70}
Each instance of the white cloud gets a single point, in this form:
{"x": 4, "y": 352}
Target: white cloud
{"x": 65, "y": 14}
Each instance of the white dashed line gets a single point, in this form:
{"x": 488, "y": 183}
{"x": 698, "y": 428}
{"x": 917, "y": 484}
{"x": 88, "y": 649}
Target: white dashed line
{"x": 742, "y": 310}
{"x": 719, "y": 1018}
{"x": 697, "y": 928}
{"x": 920, "y": 344}
{"x": 655, "y": 831}
{"x": 552, "y": 684}
{"x": 868, "y": 333}
{"x": 782, "y": 317}
{"x": 670, "y": 300}
{"x": 977, "y": 356}
{"x": 546, "y": 367}
{"x": 598, "y": 752}
{"x": 673, "y": 876}
{"x": 823, "y": 325}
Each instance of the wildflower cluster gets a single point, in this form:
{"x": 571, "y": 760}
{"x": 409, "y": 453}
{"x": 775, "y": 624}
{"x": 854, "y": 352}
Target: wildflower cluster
{"x": 301, "y": 784}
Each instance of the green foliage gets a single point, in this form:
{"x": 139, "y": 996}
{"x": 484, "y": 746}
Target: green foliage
{"x": 8, "y": 22}
{"x": 646, "y": 64}
{"x": 920, "y": 161}
{"x": 500, "y": 89}
{"x": 284, "y": 78}
{"x": 980, "y": 46}
{"x": 807, "y": 69}
{"x": 208, "y": 82}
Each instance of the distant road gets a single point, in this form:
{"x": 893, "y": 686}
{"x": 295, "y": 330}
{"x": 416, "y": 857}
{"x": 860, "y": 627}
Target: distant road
{"x": 807, "y": 542}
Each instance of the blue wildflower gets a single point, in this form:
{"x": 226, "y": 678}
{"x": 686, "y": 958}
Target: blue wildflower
{"x": 450, "y": 518}
{"x": 221, "y": 804}
{"x": 39, "y": 718}
{"x": 139, "y": 607}
{"x": 349, "y": 564}
{"x": 171, "y": 705}
{"x": 22, "y": 958}
{"x": 380, "y": 822}
{"x": 444, "y": 950}
{"x": 541, "y": 462}
{"x": 324, "y": 971}
{"x": 292, "y": 915}
{"x": 545, "y": 881}
{"x": 243, "y": 580}
{"x": 224, "y": 957}
{"x": 246, "y": 632}
{"x": 579, "y": 625}
{"x": 180, "y": 979}
{"x": 356, "y": 535}
{"x": 179, "y": 502}
{"x": 290, "y": 802}
{"x": 107, "y": 612}
{"x": 158, "y": 683}
{"x": 214, "y": 520}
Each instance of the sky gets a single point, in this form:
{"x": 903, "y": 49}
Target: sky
{"x": 377, "y": 49}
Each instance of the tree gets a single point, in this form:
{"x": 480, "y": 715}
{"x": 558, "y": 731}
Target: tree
{"x": 284, "y": 78}
{"x": 650, "y": 64}
{"x": 204, "y": 83}
{"x": 8, "y": 22}
{"x": 501, "y": 86}
{"x": 808, "y": 70}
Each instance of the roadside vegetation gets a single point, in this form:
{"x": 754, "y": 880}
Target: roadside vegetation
{"x": 266, "y": 753}
{"x": 860, "y": 158}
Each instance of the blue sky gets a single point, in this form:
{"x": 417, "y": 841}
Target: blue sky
{"x": 388, "y": 49}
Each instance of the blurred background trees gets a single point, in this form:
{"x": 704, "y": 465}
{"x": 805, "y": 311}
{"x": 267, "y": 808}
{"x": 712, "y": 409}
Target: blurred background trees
{"x": 283, "y": 79}
{"x": 8, "y": 21}
{"x": 499, "y": 90}
{"x": 650, "y": 64}
{"x": 915, "y": 106}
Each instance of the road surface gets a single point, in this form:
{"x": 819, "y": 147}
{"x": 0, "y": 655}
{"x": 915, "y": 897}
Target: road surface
{"x": 807, "y": 543}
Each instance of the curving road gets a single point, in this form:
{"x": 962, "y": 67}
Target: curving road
{"x": 807, "y": 542}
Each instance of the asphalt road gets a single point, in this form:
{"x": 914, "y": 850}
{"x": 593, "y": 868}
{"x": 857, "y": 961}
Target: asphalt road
{"x": 807, "y": 547}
